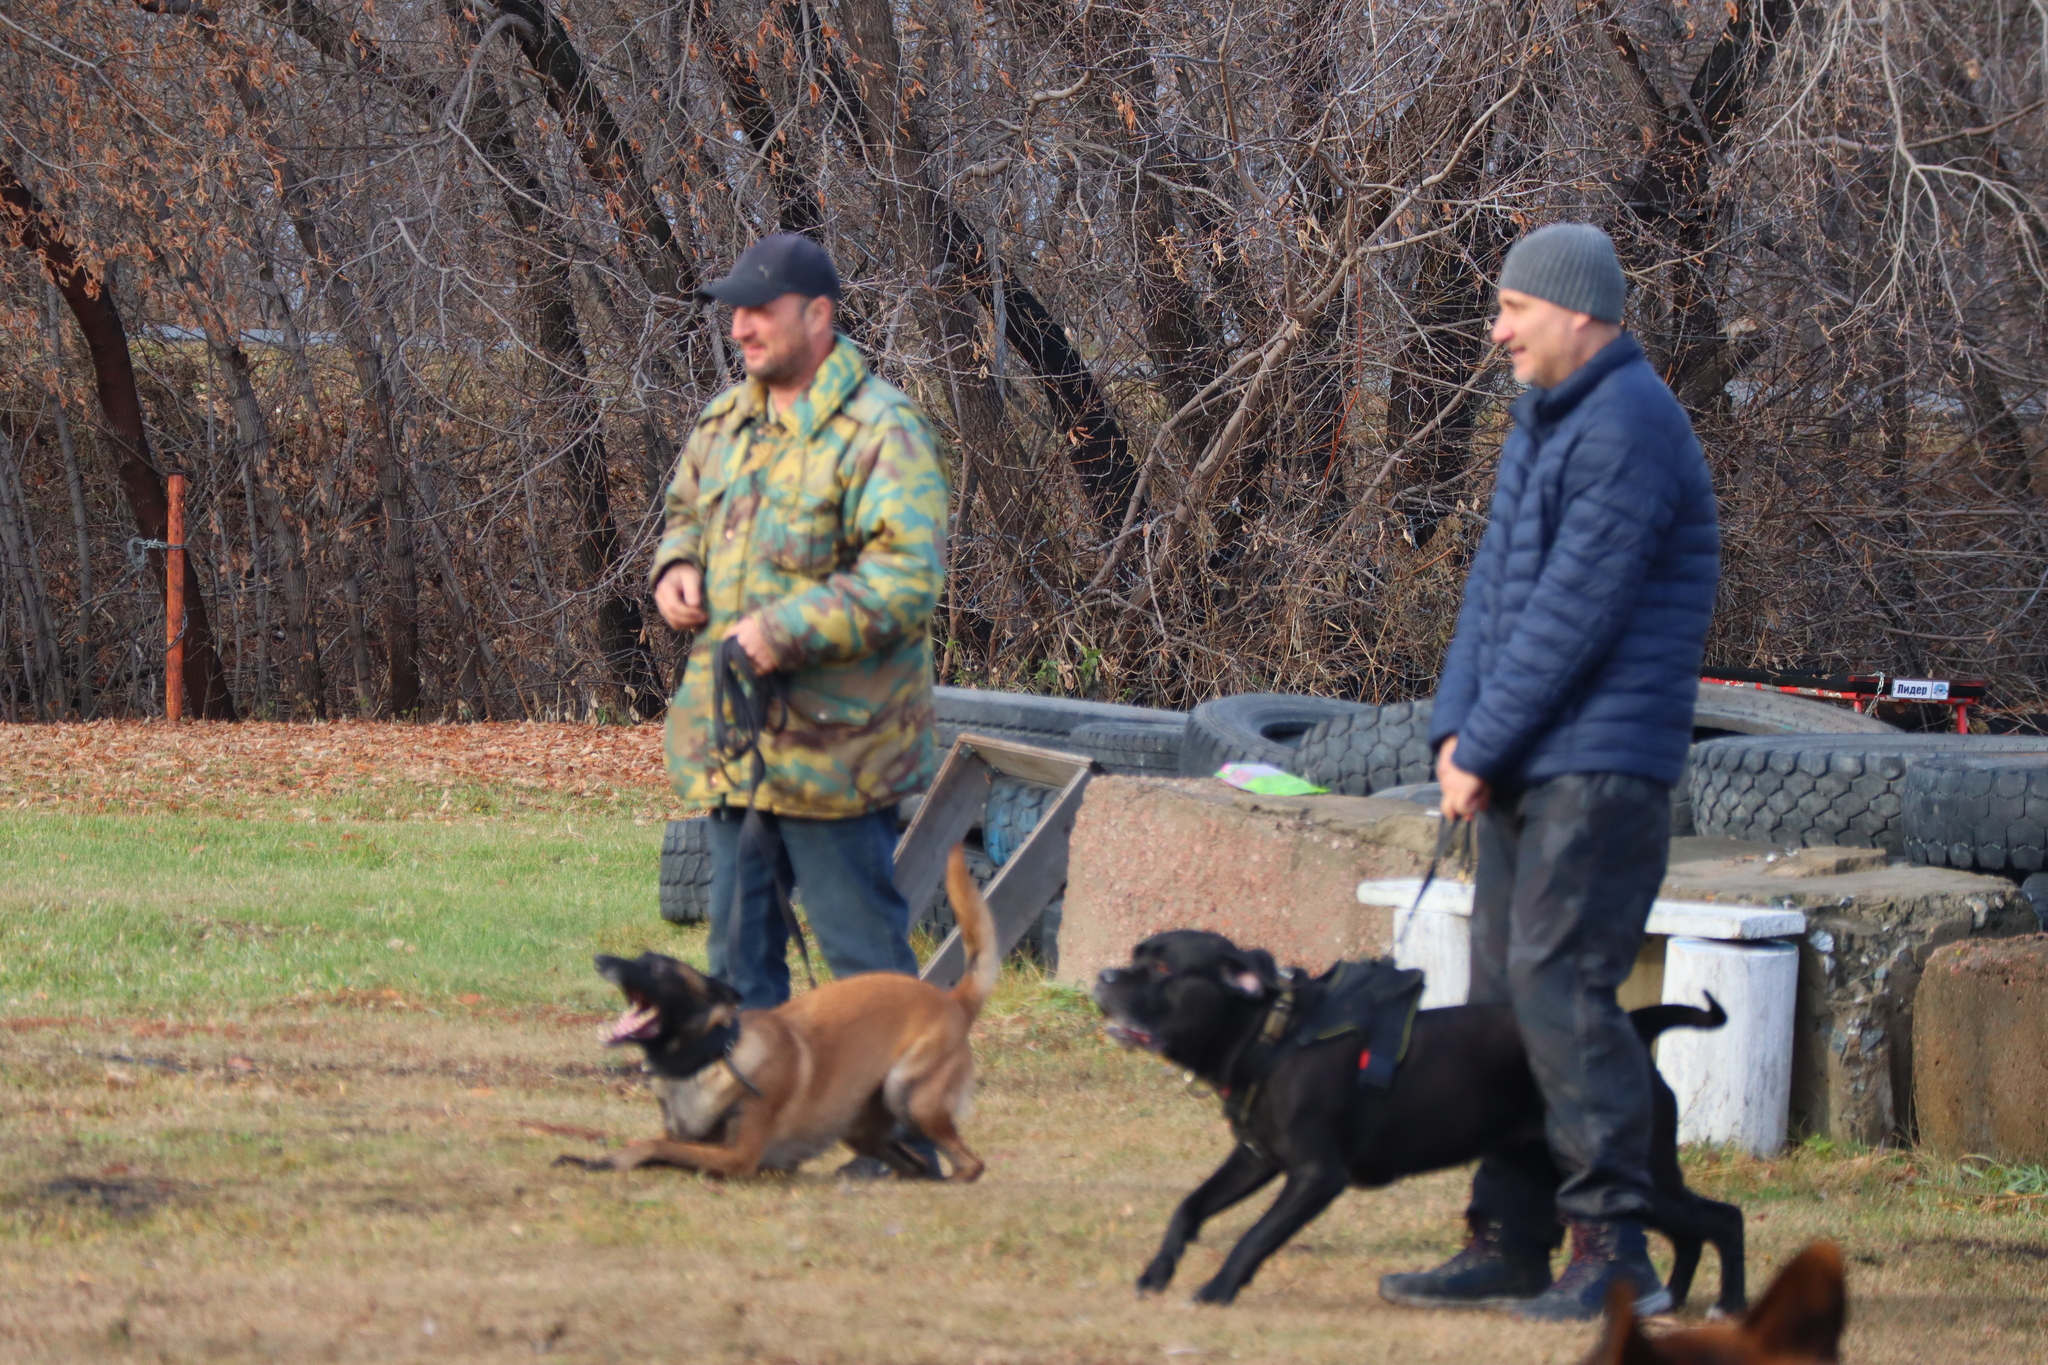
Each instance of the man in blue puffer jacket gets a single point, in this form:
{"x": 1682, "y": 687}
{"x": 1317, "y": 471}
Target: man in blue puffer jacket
{"x": 1560, "y": 724}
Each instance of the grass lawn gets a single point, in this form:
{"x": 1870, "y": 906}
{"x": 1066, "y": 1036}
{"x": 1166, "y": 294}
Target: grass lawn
{"x": 281, "y": 1077}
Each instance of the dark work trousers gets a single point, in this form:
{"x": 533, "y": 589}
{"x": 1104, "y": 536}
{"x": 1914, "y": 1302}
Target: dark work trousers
{"x": 1567, "y": 871}
{"x": 845, "y": 876}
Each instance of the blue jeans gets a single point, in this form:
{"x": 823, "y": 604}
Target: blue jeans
{"x": 1567, "y": 872}
{"x": 845, "y": 874}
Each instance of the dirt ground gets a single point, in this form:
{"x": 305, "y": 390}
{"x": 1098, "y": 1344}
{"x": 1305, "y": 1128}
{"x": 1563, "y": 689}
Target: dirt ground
{"x": 287, "y": 1049}
{"x": 358, "y": 1182}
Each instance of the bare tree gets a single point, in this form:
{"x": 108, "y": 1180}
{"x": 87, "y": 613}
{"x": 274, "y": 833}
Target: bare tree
{"x": 1197, "y": 297}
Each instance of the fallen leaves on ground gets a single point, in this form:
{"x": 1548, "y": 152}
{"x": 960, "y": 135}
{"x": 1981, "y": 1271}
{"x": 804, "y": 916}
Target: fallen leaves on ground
{"x": 258, "y": 768}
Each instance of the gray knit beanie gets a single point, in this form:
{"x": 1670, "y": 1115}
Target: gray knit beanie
{"x": 1570, "y": 264}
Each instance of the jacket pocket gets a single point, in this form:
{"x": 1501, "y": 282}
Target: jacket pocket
{"x": 798, "y": 532}
{"x": 814, "y": 706}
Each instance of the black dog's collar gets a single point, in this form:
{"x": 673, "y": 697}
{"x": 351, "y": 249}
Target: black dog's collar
{"x": 713, "y": 1049}
{"x": 1374, "y": 1001}
{"x": 1254, "y": 1057}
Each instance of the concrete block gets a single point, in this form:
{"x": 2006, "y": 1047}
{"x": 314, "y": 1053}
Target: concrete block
{"x": 1980, "y": 1049}
{"x": 1279, "y": 873}
{"x": 1734, "y": 1083}
{"x": 1870, "y": 930}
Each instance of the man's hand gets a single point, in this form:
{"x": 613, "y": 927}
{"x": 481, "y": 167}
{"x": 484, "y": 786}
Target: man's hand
{"x": 1464, "y": 795}
{"x": 679, "y": 597}
{"x": 754, "y": 641}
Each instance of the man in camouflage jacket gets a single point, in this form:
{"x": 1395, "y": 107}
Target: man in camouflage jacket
{"x": 806, "y": 519}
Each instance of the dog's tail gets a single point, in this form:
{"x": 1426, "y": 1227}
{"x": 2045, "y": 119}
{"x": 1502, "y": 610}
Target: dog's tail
{"x": 977, "y": 935}
{"x": 1652, "y": 1020}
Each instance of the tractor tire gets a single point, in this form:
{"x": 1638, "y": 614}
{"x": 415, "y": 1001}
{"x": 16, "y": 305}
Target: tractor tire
{"x": 1132, "y": 747}
{"x": 1371, "y": 748}
{"x": 1041, "y": 942}
{"x": 1013, "y": 810}
{"x": 1255, "y": 727}
{"x": 1021, "y": 714}
{"x": 1810, "y": 790}
{"x": 686, "y": 871}
{"x": 1988, "y": 813}
{"x": 1723, "y": 709}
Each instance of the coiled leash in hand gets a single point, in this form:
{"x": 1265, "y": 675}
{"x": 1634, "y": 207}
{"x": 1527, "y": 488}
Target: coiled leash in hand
{"x": 1447, "y": 833}
{"x": 742, "y": 704}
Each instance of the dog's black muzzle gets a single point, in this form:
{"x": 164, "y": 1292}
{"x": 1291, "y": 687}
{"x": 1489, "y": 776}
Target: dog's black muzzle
{"x": 1112, "y": 995}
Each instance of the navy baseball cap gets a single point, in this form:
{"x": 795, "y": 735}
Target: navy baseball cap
{"x": 786, "y": 263}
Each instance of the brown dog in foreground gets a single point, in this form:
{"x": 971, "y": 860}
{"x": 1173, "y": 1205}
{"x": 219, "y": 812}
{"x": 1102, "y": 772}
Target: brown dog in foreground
{"x": 862, "y": 1060}
{"x": 1797, "y": 1322}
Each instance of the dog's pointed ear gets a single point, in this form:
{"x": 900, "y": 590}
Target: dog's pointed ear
{"x": 1800, "y": 1316}
{"x": 1624, "y": 1342}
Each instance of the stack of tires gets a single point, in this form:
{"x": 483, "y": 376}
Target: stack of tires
{"x": 1978, "y": 802}
{"x": 1764, "y": 767}
{"x": 1363, "y": 750}
{"x": 1123, "y": 739}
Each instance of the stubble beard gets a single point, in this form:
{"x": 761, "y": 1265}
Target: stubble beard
{"x": 773, "y": 370}
{"x": 779, "y": 366}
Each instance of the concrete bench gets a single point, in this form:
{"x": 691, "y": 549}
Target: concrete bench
{"x": 1734, "y": 1084}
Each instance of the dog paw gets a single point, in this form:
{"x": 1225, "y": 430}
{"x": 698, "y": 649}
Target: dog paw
{"x": 1215, "y": 1292}
{"x": 581, "y": 1163}
{"x": 1155, "y": 1279}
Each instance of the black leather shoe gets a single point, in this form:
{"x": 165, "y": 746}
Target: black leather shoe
{"x": 1602, "y": 1254}
{"x": 1490, "y": 1272}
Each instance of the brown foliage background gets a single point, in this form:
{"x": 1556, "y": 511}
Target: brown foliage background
{"x": 1197, "y": 295}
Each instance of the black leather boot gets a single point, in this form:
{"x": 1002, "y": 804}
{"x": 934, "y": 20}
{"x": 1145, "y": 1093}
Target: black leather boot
{"x": 1602, "y": 1253}
{"x": 1491, "y": 1272}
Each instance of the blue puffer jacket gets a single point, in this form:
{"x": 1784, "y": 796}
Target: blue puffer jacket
{"x": 1579, "y": 644}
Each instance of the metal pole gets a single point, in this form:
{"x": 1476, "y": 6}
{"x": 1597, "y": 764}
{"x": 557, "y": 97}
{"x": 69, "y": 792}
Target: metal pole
{"x": 174, "y": 604}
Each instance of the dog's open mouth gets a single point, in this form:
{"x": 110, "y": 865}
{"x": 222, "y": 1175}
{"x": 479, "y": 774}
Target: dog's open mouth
{"x": 640, "y": 1022}
{"x": 1130, "y": 1035}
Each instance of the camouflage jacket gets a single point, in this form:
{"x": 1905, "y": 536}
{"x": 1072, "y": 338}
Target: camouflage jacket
{"x": 828, "y": 524}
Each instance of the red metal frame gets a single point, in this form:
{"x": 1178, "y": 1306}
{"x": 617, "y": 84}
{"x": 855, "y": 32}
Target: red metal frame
{"x": 1861, "y": 690}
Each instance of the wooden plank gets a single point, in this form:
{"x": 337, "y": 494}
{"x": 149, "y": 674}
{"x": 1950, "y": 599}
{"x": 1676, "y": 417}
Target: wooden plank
{"x": 947, "y": 812}
{"x": 1048, "y": 767}
{"x": 1029, "y": 881}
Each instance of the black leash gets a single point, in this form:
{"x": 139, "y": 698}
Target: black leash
{"x": 742, "y": 710}
{"x": 1447, "y": 832}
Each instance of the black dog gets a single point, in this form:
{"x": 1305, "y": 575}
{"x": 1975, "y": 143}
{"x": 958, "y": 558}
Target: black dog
{"x": 1463, "y": 1090}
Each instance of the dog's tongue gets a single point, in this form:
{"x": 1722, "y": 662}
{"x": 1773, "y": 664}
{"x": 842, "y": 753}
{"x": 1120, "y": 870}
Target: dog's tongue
{"x": 639, "y": 1021}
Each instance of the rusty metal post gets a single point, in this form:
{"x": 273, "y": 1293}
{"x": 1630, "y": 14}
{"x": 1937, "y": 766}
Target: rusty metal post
{"x": 174, "y": 603}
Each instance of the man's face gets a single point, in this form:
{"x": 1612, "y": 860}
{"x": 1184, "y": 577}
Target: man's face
{"x": 779, "y": 339}
{"x": 1543, "y": 339}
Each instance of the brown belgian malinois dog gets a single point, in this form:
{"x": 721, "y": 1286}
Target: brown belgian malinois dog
{"x": 865, "y": 1060}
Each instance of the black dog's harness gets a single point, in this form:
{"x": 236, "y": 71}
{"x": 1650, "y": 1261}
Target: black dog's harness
{"x": 712, "y": 1049}
{"x": 1374, "y": 1000}
{"x": 748, "y": 699}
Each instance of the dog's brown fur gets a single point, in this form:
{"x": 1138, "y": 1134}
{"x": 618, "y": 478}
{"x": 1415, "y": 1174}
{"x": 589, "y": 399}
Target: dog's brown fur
{"x": 846, "y": 1062}
{"x": 1797, "y": 1322}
